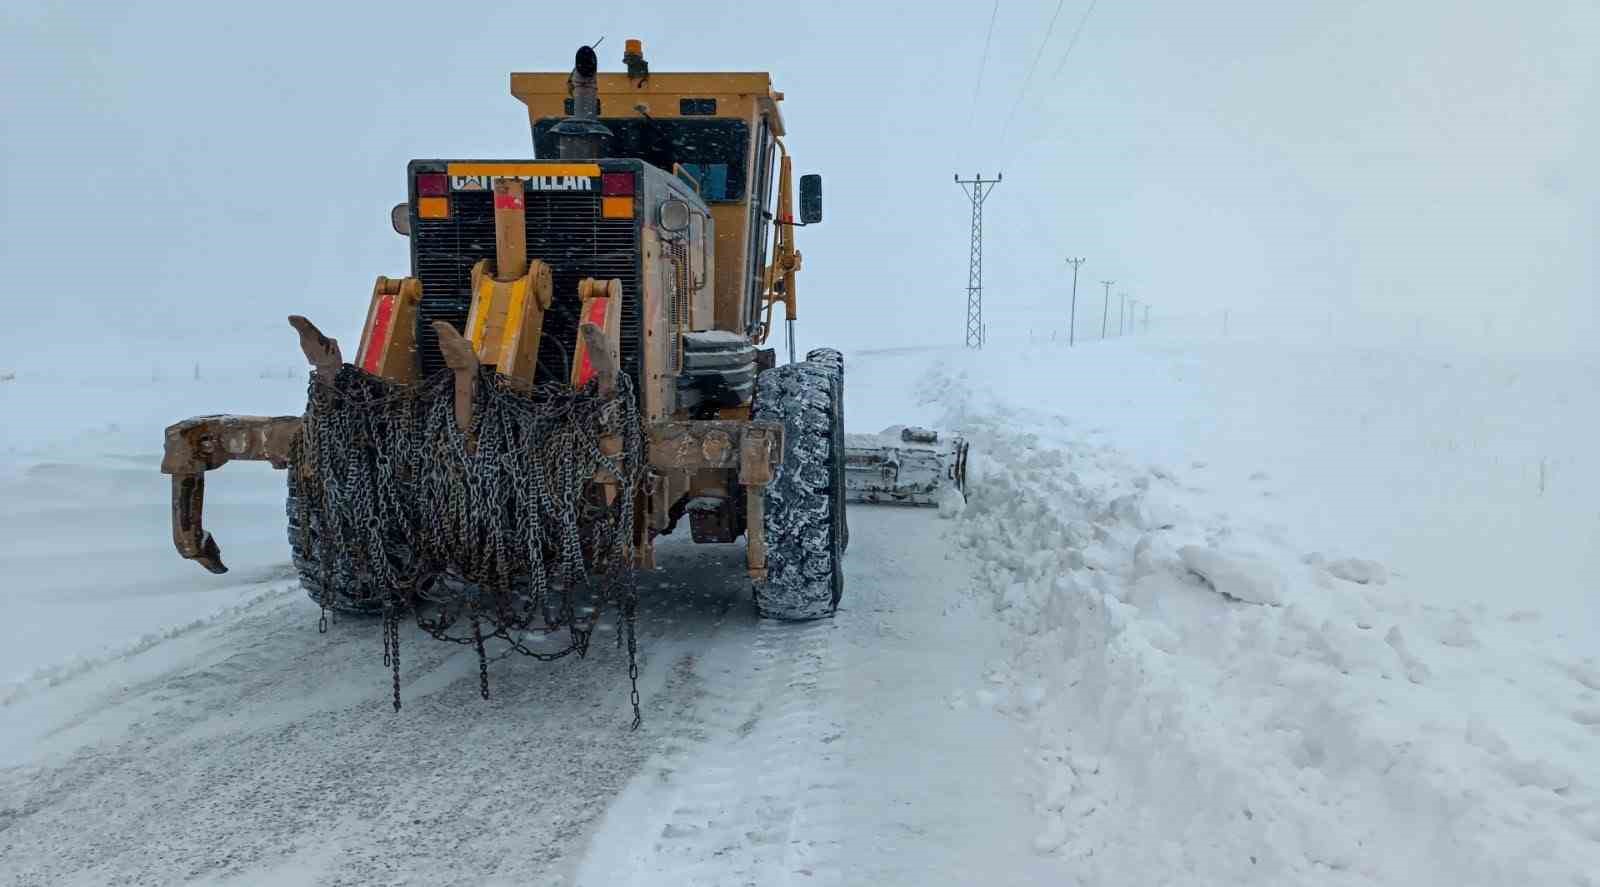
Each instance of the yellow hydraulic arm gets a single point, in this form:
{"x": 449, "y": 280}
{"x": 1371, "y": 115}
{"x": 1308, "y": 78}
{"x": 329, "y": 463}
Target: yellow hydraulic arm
{"x": 780, "y": 275}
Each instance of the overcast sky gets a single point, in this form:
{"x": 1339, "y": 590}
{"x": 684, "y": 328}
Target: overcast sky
{"x": 176, "y": 170}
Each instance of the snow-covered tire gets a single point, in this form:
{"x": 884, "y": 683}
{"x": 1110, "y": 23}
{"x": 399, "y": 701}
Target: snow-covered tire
{"x": 833, "y": 361}
{"x": 349, "y": 593}
{"x": 803, "y": 505}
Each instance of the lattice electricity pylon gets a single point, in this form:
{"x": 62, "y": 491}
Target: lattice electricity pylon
{"x": 977, "y": 189}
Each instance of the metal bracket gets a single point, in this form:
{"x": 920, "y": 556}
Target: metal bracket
{"x": 204, "y": 443}
{"x": 753, "y": 450}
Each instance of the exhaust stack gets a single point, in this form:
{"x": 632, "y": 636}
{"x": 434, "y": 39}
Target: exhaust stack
{"x": 579, "y": 136}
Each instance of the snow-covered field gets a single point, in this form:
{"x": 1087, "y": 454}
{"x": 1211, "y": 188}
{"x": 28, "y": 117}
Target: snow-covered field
{"x": 1214, "y": 613}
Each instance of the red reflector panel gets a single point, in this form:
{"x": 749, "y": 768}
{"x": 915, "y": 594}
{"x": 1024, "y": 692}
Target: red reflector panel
{"x": 381, "y": 321}
{"x": 616, "y": 184}
{"x": 433, "y": 185}
{"x": 597, "y": 316}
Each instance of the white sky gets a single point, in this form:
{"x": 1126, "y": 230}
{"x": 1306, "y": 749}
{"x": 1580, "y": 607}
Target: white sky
{"x": 176, "y": 171}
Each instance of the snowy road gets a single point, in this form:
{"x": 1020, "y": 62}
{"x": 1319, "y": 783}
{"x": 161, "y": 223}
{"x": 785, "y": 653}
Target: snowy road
{"x": 263, "y": 752}
{"x": 1252, "y": 615}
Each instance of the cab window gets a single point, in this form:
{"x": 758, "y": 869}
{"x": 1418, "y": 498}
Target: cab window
{"x": 713, "y": 151}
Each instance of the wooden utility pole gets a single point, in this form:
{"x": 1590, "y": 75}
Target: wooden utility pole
{"x": 1105, "y": 307}
{"x": 1072, "y": 317}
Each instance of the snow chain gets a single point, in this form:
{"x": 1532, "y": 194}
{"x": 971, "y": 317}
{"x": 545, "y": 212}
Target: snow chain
{"x": 507, "y": 537}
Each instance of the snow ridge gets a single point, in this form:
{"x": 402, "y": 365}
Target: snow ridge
{"x": 1209, "y": 708}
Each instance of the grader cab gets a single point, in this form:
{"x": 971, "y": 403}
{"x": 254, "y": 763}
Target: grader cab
{"x": 574, "y": 364}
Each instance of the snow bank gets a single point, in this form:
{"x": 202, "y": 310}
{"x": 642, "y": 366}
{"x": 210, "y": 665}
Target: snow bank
{"x": 1216, "y": 701}
{"x": 1242, "y": 579}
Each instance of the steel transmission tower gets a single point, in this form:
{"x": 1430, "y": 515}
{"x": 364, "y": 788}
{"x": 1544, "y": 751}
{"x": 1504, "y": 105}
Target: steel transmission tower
{"x": 977, "y": 189}
{"x": 1072, "y": 319}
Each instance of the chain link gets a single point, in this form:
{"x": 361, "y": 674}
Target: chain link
{"x": 513, "y": 532}
{"x": 629, "y": 609}
{"x": 483, "y": 658}
{"x": 394, "y": 646}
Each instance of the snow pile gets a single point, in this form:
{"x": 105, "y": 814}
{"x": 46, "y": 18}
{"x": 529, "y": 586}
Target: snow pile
{"x": 1237, "y": 578}
{"x": 1213, "y": 701}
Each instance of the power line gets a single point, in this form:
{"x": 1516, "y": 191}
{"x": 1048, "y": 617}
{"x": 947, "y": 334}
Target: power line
{"x": 1027, "y": 79}
{"x": 1071, "y": 44}
{"x": 1074, "y": 41}
{"x": 983, "y": 63}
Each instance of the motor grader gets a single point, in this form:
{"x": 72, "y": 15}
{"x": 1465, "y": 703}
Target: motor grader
{"x": 573, "y": 365}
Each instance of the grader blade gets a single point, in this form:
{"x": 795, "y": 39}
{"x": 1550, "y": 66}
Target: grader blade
{"x": 904, "y": 466}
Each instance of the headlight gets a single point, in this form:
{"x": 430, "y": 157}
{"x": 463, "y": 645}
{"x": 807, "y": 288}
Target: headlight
{"x": 673, "y": 214}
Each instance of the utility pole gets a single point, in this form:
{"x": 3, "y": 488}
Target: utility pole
{"x": 977, "y": 189}
{"x": 1122, "y": 310}
{"x": 1147, "y": 317}
{"x": 1105, "y": 307}
{"x": 1133, "y": 315}
{"x": 1072, "y": 318}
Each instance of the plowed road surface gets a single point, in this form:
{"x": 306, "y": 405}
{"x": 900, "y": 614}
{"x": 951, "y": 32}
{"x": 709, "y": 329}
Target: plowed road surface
{"x": 250, "y": 749}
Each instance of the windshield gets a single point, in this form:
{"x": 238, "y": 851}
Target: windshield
{"x": 712, "y": 151}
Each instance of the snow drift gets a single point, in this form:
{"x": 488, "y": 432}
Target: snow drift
{"x": 1224, "y": 683}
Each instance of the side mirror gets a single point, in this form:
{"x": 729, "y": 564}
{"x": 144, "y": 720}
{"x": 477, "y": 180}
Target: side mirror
{"x": 400, "y": 218}
{"x": 810, "y": 199}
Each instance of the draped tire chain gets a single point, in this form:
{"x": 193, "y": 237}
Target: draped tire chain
{"x": 803, "y": 508}
{"x": 502, "y": 547}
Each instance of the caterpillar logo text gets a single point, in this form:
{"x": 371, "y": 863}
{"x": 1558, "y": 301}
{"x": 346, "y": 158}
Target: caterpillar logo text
{"x": 534, "y": 183}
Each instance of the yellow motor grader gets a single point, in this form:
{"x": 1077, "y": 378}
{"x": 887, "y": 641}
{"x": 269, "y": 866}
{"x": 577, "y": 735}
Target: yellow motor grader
{"x": 573, "y": 366}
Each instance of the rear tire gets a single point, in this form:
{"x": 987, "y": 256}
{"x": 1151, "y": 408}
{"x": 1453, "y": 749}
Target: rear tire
{"x": 804, "y": 503}
{"x": 833, "y": 361}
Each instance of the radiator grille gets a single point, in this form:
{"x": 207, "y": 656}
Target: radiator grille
{"x": 565, "y": 230}
{"x": 678, "y": 253}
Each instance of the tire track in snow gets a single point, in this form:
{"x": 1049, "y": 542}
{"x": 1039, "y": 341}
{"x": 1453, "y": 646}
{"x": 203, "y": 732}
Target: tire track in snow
{"x": 830, "y": 752}
{"x": 751, "y": 773}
